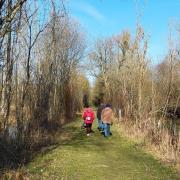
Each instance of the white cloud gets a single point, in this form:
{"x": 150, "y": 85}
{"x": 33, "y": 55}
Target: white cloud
{"x": 90, "y": 10}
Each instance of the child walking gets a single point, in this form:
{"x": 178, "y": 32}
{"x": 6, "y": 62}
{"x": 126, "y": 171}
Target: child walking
{"x": 88, "y": 117}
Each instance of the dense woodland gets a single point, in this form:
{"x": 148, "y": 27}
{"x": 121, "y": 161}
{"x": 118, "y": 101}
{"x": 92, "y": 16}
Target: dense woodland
{"x": 42, "y": 59}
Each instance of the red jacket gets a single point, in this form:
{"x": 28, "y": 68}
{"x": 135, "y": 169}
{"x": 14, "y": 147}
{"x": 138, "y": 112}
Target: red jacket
{"x": 88, "y": 116}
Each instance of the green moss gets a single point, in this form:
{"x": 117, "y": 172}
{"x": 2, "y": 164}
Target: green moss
{"x": 95, "y": 157}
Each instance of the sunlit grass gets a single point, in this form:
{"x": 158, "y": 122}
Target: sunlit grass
{"x": 95, "y": 157}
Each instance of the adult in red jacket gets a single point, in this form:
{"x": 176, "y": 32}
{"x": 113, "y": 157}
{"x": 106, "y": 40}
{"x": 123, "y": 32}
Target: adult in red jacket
{"x": 88, "y": 117}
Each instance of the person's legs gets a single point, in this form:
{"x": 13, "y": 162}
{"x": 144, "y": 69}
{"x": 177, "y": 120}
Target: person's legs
{"x": 88, "y": 129}
{"x": 99, "y": 124}
{"x": 102, "y": 126}
{"x": 106, "y": 130}
{"x": 91, "y": 131}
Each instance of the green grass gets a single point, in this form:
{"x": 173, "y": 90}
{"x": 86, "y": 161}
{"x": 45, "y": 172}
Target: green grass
{"x": 78, "y": 157}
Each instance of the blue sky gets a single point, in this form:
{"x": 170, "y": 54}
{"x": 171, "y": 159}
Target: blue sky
{"x": 103, "y": 18}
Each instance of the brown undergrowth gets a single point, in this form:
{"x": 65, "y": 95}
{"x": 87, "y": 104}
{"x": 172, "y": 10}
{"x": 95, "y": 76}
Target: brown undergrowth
{"x": 157, "y": 142}
{"x": 15, "y": 155}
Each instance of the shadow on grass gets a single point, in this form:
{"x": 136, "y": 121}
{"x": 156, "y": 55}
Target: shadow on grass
{"x": 14, "y": 154}
{"x": 117, "y": 151}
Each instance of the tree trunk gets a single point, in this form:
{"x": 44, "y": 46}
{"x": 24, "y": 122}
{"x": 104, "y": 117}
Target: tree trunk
{"x": 6, "y": 92}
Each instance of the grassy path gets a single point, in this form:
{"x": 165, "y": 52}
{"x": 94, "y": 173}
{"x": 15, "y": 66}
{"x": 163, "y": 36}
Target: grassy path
{"x": 78, "y": 157}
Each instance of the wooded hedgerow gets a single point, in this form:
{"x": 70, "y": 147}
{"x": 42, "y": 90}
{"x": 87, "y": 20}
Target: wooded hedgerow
{"x": 41, "y": 47}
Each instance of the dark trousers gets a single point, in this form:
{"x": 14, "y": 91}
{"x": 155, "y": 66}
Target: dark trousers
{"x": 88, "y": 128}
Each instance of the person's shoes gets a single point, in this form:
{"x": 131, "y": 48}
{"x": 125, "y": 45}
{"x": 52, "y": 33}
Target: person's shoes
{"x": 102, "y": 133}
{"x": 88, "y": 134}
{"x": 100, "y": 129}
{"x": 110, "y": 133}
